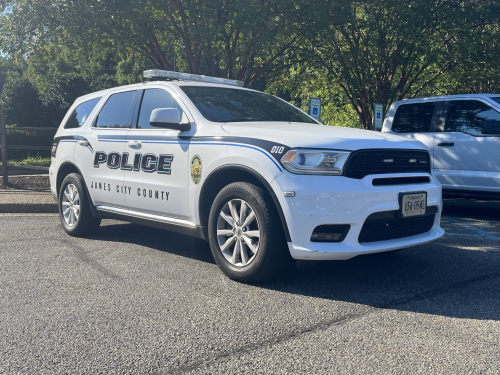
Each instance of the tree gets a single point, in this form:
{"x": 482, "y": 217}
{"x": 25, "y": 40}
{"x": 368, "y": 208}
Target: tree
{"x": 380, "y": 52}
{"x": 67, "y": 69}
{"x": 478, "y": 57}
{"x": 240, "y": 39}
{"x": 20, "y": 102}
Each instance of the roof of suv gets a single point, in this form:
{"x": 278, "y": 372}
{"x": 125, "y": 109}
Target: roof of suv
{"x": 444, "y": 97}
{"x": 143, "y": 84}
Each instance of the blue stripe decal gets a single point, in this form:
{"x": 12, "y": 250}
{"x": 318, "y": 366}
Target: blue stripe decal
{"x": 168, "y": 143}
{"x": 238, "y": 145}
{"x": 67, "y": 141}
{"x": 206, "y": 143}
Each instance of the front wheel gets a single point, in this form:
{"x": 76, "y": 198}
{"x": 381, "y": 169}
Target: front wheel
{"x": 245, "y": 234}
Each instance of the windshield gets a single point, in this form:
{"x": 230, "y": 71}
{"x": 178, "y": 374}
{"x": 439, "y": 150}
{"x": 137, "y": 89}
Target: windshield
{"x": 220, "y": 104}
{"x": 495, "y": 98}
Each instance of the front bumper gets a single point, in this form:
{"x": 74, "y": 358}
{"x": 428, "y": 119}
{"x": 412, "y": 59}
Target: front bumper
{"x": 321, "y": 200}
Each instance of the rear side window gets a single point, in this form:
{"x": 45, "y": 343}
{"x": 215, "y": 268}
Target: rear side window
{"x": 495, "y": 98}
{"x": 151, "y": 100}
{"x": 413, "y": 118}
{"x": 117, "y": 112}
{"x": 81, "y": 113}
{"x": 468, "y": 116}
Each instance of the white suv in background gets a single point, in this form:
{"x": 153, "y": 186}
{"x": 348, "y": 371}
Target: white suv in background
{"x": 462, "y": 133}
{"x": 258, "y": 178}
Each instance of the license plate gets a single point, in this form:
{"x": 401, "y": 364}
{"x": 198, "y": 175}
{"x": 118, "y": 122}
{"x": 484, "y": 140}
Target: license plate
{"x": 413, "y": 204}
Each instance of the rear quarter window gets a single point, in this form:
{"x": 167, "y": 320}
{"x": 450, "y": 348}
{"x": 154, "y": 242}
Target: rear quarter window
{"x": 81, "y": 113}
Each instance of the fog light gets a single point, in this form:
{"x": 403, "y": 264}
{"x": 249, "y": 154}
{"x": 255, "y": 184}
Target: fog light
{"x": 330, "y": 233}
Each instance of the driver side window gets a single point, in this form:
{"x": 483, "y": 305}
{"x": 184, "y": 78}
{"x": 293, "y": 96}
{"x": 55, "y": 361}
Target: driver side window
{"x": 153, "y": 99}
{"x": 468, "y": 116}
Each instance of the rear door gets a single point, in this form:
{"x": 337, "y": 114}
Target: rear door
{"x": 464, "y": 157}
{"x": 98, "y": 153}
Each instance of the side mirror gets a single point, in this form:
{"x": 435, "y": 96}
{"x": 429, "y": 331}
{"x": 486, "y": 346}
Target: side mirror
{"x": 491, "y": 127}
{"x": 169, "y": 118}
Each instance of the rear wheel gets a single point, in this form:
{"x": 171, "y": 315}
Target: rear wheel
{"x": 74, "y": 207}
{"x": 245, "y": 234}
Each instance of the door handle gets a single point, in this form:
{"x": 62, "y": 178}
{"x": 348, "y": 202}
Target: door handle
{"x": 134, "y": 144}
{"x": 83, "y": 142}
{"x": 444, "y": 144}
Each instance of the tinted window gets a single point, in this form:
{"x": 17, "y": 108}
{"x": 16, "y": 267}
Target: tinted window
{"x": 220, "y": 104}
{"x": 152, "y": 99}
{"x": 495, "y": 98}
{"x": 413, "y": 118}
{"x": 468, "y": 116}
{"x": 117, "y": 111}
{"x": 81, "y": 113}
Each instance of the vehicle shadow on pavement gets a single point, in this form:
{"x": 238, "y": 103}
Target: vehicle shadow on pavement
{"x": 438, "y": 279}
{"x": 158, "y": 239}
{"x": 472, "y": 208}
{"x": 454, "y": 276}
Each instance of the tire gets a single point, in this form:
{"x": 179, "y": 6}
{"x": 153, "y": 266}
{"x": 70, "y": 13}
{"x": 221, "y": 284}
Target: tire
{"x": 79, "y": 221}
{"x": 260, "y": 246}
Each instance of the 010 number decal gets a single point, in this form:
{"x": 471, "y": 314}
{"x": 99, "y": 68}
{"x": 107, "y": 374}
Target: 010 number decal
{"x": 277, "y": 149}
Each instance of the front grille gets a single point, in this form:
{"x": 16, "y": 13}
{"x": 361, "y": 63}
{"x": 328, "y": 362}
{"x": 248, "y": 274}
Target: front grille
{"x": 367, "y": 162}
{"x": 390, "y": 229}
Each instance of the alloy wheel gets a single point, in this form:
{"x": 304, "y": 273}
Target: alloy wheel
{"x": 238, "y": 232}
{"x": 71, "y": 205}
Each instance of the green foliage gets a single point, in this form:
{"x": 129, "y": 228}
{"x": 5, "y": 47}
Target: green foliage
{"x": 379, "y": 52}
{"x": 242, "y": 39}
{"x": 350, "y": 53}
{"x": 20, "y": 102}
{"x": 301, "y": 84}
{"x": 476, "y": 70}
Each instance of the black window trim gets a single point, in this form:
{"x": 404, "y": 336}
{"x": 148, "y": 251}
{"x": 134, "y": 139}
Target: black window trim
{"x": 439, "y": 116}
{"x": 464, "y": 99}
{"x": 132, "y": 111}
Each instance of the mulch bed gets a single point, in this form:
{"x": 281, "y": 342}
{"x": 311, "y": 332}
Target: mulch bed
{"x": 37, "y": 183}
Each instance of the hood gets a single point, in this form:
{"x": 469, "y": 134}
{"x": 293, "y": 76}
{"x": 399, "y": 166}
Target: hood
{"x": 319, "y": 136}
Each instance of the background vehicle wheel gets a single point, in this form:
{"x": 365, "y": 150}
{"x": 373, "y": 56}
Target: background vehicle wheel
{"x": 74, "y": 207}
{"x": 245, "y": 234}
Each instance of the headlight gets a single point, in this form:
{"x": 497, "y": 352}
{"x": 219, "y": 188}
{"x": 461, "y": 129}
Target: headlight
{"x": 305, "y": 161}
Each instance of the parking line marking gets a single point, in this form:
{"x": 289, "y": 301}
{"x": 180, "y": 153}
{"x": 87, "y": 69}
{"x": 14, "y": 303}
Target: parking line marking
{"x": 480, "y": 233}
{"x": 464, "y": 235}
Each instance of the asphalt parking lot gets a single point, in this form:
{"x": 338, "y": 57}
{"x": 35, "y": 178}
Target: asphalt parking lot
{"x": 137, "y": 300}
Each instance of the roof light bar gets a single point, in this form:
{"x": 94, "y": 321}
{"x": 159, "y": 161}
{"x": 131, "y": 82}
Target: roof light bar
{"x": 166, "y": 74}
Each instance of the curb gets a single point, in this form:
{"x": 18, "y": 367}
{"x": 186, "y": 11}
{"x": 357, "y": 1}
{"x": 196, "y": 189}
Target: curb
{"x": 28, "y": 208}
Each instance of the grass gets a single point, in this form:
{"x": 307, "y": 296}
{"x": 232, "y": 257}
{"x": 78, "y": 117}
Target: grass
{"x": 37, "y": 161}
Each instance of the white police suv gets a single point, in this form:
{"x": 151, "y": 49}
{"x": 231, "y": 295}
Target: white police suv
{"x": 258, "y": 178}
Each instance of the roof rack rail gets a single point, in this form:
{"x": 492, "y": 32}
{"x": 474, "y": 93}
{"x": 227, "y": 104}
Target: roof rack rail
{"x": 158, "y": 75}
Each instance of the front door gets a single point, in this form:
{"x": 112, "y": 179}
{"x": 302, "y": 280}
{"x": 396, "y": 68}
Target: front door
{"x": 158, "y": 179}
{"x": 463, "y": 155}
